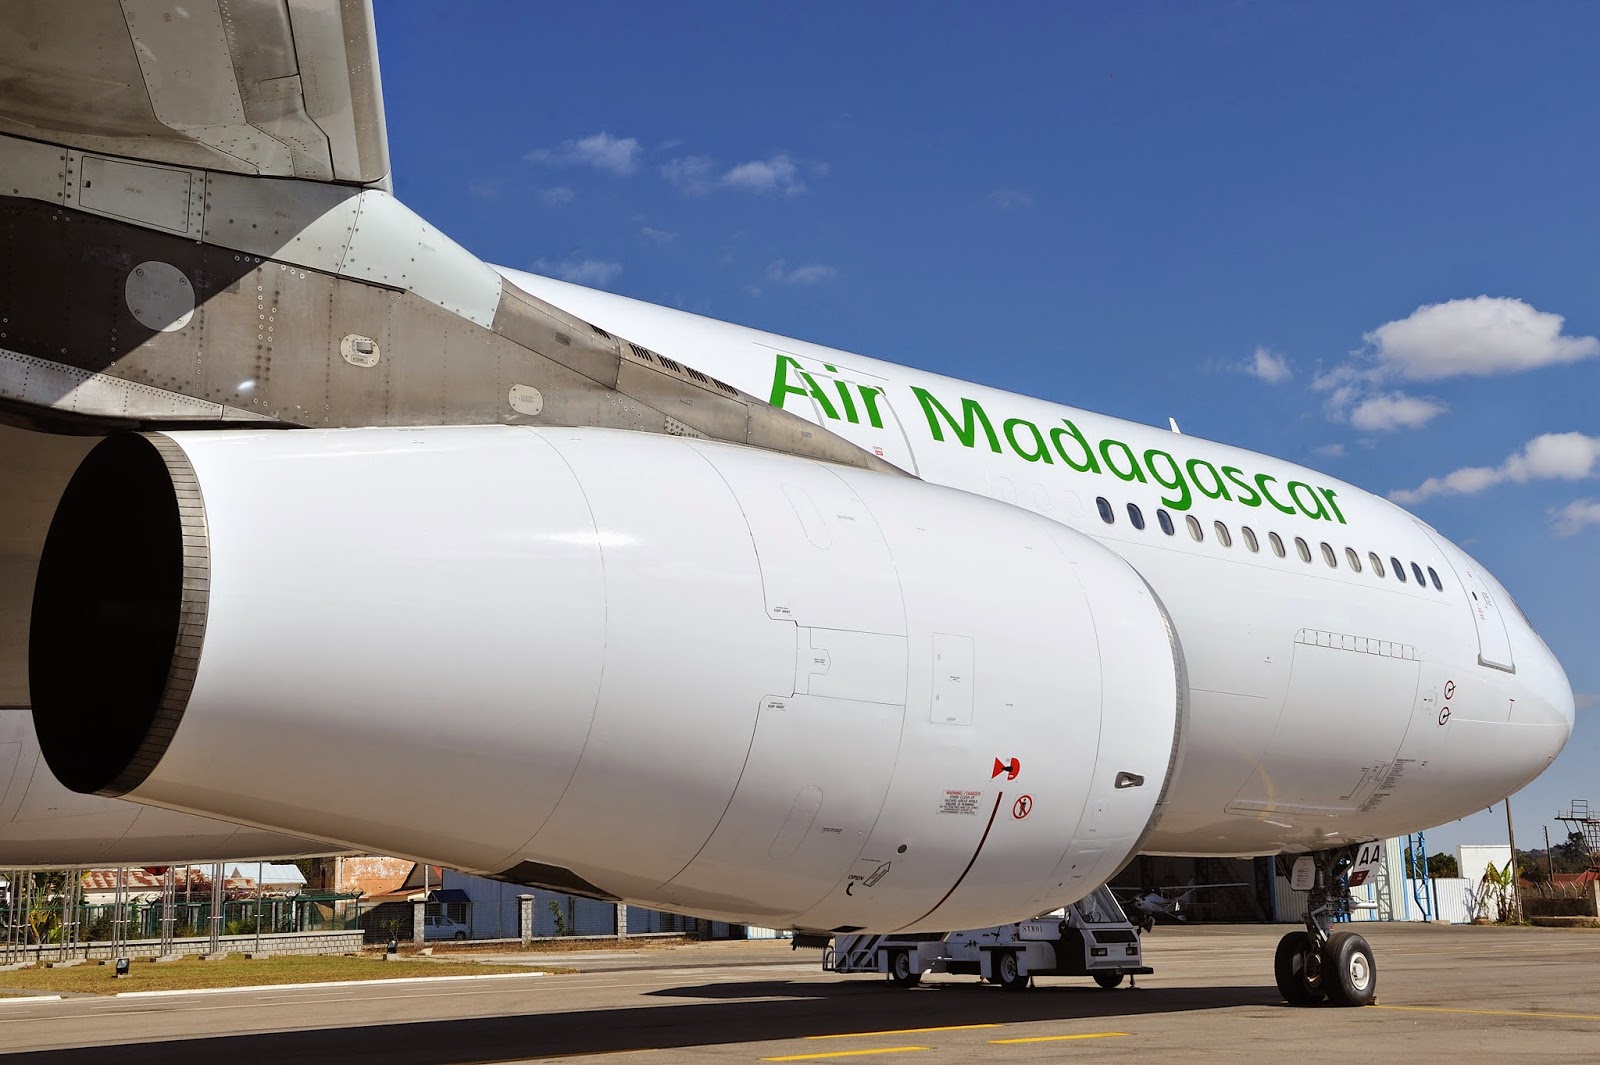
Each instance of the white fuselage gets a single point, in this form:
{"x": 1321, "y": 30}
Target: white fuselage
{"x": 1327, "y": 704}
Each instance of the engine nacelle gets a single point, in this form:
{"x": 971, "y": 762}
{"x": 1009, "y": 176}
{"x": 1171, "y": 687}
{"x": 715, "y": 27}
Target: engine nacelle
{"x": 690, "y": 675}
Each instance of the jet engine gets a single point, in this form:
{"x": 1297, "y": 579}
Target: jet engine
{"x": 686, "y": 674}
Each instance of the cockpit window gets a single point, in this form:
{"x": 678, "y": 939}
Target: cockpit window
{"x": 1107, "y": 515}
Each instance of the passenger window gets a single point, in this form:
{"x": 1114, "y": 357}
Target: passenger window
{"x": 1398, "y": 567}
{"x": 1166, "y": 522}
{"x": 1277, "y": 544}
{"x": 1250, "y": 540}
{"x": 1416, "y": 571}
{"x": 1107, "y": 515}
{"x": 1435, "y": 575}
{"x": 1329, "y": 557}
{"x": 1224, "y": 537}
{"x": 1304, "y": 549}
{"x": 1136, "y": 516}
{"x": 1354, "y": 559}
{"x": 1377, "y": 563}
{"x": 1195, "y": 532}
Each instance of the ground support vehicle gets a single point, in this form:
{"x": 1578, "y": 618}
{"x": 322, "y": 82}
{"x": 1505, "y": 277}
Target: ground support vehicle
{"x": 1092, "y": 937}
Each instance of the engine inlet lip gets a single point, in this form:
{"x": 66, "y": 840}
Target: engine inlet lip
{"x": 119, "y": 614}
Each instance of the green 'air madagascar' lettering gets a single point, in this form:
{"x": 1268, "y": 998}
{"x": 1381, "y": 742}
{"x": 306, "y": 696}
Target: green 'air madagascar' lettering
{"x": 970, "y": 426}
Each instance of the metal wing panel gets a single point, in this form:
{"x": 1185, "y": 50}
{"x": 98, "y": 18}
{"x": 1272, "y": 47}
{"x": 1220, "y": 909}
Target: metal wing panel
{"x": 281, "y": 88}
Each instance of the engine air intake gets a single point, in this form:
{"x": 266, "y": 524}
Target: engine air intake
{"x": 119, "y": 611}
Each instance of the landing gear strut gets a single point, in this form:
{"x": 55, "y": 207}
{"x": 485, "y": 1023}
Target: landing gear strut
{"x": 1319, "y": 965}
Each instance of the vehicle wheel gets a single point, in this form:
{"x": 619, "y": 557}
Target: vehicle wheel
{"x": 460, "y": 935}
{"x": 1107, "y": 980}
{"x": 1298, "y": 970}
{"x": 1009, "y": 972}
{"x": 901, "y": 974}
{"x": 1349, "y": 972}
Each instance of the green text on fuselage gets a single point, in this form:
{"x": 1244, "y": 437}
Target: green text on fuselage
{"x": 971, "y": 426}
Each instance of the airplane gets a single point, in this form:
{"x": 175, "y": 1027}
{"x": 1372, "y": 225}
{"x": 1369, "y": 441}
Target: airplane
{"x": 382, "y": 548}
{"x": 1145, "y": 906}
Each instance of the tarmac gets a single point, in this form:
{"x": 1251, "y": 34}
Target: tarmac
{"x": 1446, "y": 994}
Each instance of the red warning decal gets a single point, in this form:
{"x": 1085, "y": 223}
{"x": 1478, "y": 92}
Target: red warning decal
{"x": 1010, "y": 769}
{"x": 1022, "y": 807}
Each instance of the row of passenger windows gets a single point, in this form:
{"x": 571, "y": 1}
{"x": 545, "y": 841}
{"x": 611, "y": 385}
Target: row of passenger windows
{"x": 1224, "y": 536}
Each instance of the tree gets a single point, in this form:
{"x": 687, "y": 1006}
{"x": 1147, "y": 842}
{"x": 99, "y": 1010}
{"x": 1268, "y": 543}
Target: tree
{"x": 1572, "y": 856}
{"x": 1439, "y": 865}
{"x": 1535, "y": 869}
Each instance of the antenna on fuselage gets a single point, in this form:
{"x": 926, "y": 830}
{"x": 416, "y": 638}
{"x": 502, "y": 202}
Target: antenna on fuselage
{"x": 1173, "y": 422}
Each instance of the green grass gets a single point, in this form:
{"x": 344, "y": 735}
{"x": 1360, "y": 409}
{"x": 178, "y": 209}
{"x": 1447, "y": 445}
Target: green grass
{"x": 236, "y": 971}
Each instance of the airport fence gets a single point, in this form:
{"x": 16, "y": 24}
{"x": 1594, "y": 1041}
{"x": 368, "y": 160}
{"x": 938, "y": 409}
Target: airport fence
{"x": 70, "y": 927}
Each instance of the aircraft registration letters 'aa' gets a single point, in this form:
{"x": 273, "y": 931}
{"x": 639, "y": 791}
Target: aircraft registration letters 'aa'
{"x": 357, "y": 490}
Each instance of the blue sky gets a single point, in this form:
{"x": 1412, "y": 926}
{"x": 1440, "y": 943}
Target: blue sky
{"x": 1361, "y": 236}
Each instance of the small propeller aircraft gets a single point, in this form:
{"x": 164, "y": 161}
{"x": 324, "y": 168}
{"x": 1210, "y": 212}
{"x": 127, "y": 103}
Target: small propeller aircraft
{"x": 1143, "y": 907}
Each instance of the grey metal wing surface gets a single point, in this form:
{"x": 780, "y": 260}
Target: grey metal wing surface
{"x": 273, "y": 88}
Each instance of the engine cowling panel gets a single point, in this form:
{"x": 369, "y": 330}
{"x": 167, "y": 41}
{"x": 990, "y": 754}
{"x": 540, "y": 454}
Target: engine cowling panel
{"x": 685, "y": 674}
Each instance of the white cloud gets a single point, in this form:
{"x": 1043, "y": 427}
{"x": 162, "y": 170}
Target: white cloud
{"x": 1394, "y": 410}
{"x": 660, "y": 236}
{"x": 1468, "y": 337}
{"x": 1008, "y": 198}
{"x": 1477, "y": 337}
{"x": 691, "y": 173}
{"x": 617, "y": 155}
{"x": 1330, "y": 451}
{"x": 559, "y": 196}
{"x": 485, "y": 189}
{"x": 1576, "y": 516}
{"x": 580, "y": 271}
{"x": 1552, "y": 456}
{"x": 800, "y": 275}
{"x": 777, "y": 174}
{"x": 1271, "y": 368}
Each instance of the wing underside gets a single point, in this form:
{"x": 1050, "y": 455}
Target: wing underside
{"x": 275, "y": 88}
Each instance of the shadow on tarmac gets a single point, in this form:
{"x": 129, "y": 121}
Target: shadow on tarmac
{"x": 788, "y": 1010}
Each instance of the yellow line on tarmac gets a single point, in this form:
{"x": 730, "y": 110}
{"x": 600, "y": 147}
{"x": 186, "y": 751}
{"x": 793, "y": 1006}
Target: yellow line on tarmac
{"x": 1059, "y": 1038}
{"x": 906, "y": 1031}
{"x": 1497, "y": 1013}
{"x": 844, "y": 1053}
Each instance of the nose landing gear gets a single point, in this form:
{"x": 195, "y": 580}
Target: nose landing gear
{"x": 1318, "y": 965}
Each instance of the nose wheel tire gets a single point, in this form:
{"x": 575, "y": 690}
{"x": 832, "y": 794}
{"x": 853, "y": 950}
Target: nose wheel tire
{"x": 1009, "y": 972}
{"x": 901, "y": 974}
{"x": 1298, "y": 969}
{"x": 1349, "y": 971}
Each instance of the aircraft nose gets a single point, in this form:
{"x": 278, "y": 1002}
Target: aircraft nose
{"x": 1547, "y": 697}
